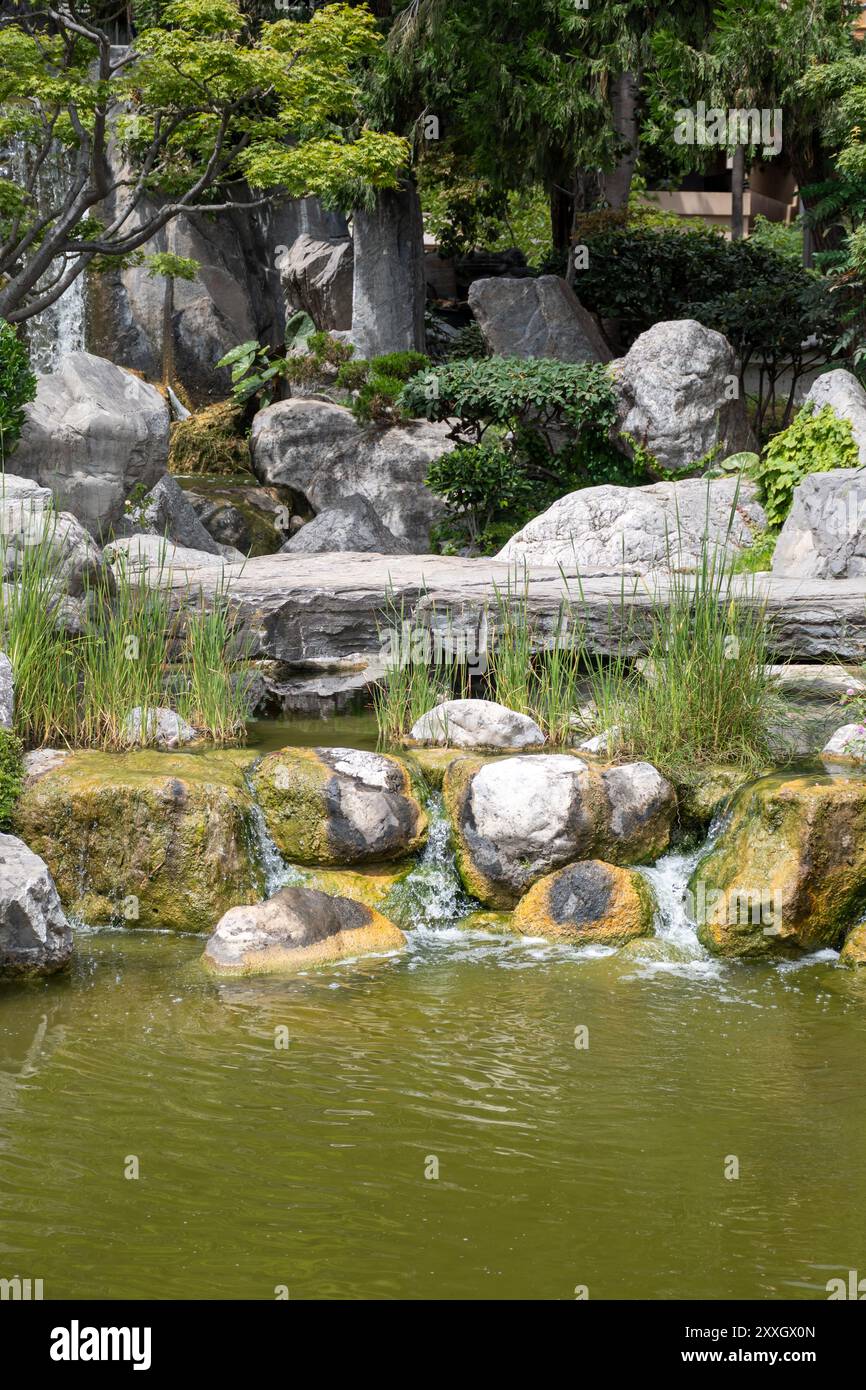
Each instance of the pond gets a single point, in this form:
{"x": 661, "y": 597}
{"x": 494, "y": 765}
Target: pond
{"x": 479, "y": 1116}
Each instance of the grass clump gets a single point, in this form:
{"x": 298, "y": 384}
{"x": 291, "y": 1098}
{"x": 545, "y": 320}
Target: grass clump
{"x": 211, "y": 441}
{"x": 136, "y": 645}
{"x": 11, "y": 774}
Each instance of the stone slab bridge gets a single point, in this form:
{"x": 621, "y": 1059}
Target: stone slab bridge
{"x": 335, "y": 610}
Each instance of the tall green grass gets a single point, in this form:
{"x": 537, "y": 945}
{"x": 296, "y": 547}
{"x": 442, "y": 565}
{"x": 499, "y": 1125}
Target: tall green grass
{"x": 140, "y": 644}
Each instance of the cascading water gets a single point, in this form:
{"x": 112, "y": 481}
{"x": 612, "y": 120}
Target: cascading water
{"x": 277, "y": 873}
{"x": 432, "y": 896}
{"x": 59, "y": 329}
{"x": 669, "y": 880}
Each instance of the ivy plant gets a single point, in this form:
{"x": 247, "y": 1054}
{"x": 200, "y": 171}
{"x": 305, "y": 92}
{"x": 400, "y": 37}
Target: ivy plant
{"x": 815, "y": 442}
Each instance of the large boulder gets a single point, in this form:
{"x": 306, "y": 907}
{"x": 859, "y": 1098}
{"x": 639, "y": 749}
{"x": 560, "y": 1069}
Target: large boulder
{"x": 842, "y": 391}
{"x": 824, "y": 535}
{"x": 789, "y": 870}
{"x": 252, "y": 518}
{"x": 338, "y": 805}
{"x": 630, "y": 530}
{"x": 675, "y": 400}
{"x": 35, "y": 937}
{"x": 476, "y": 724}
{"x": 351, "y": 524}
{"x": 93, "y": 432}
{"x": 516, "y": 819}
{"x": 168, "y": 511}
{"x": 319, "y": 449}
{"x": 317, "y": 276}
{"x": 297, "y": 928}
{"x": 28, "y": 523}
{"x": 536, "y": 318}
{"x": 148, "y": 839}
{"x": 588, "y": 903}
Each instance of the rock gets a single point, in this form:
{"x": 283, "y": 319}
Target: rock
{"x": 295, "y": 929}
{"x": 338, "y": 805}
{"x": 163, "y": 728}
{"x": 167, "y": 511}
{"x": 629, "y": 530}
{"x": 351, "y": 524}
{"x": 789, "y": 870}
{"x": 477, "y": 724}
{"x": 599, "y": 744}
{"x": 317, "y": 276}
{"x": 155, "y": 558}
{"x": 251, "y": 518}
{"x": 319, "y": 449}
{"x": 93, "y": 432}
{"x": 517, "y": 819}
{"x": 7, "y": 693}
{"x": 536, "y": 318}
{"x": 589, "y": 903}
{"x": 72, "y": 555}
{"x": 702, "y": 797}
{"x": 35, "y": 937}
{"x": 824, "y": 535}
{"x": 38, "y": 761}
{"x": 641, "y": 807}
{"x": 674, "y": 388}
{"x": 841, "y": 390}
{"x": 821, "y": 683}
{"x": 371, "y": 885}
{"x": 847, "y": 744}
{"x": 149, "y": 839}
{"x": 853, "y": 951}
{"x": 389, "y": 290}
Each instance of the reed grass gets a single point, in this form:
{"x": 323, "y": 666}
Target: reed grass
{"x": 139, "y": 644}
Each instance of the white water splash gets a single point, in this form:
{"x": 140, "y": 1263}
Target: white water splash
{"x": 277, "y": 873}
{"x": 432, "y": 897}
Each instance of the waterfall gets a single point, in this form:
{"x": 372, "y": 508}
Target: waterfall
{"x": 432, "y": 896}
{"x": 669, "y": 880}
{"x": 60, "y": 328}
{"x": 277, "y": 873}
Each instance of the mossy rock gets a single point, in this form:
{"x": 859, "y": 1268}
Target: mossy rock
{"x": 433, "y": 763}
{"x": 210, "y": 441}
{"x": 296, "y": 929}
{"x": 370, "y": 884}
{"x": 339, "y": 806}
{"x": 499, "y": 922}
{"x": 590, "y": 903}
{"x": 789, "y": 871}
{"x": 146, "y": 839}
{"x": 517, "y": 819}
{"x": 705, "y": 792}
{"x": 854, "y": 948}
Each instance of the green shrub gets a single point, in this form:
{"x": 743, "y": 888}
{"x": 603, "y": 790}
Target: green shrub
{"x": 377, "y": 401}
{"x": 482, "y": 485}
{"x": 17, "y": 387}
{"x": 261, "y": 374}
{"x": 813, "y": 443}
{"x": 353, "y": 374}
{"x": 378, "y": 384}
{"x": 11, "y": 774}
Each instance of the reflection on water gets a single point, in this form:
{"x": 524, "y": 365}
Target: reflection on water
{"x": 305, "y": 1165}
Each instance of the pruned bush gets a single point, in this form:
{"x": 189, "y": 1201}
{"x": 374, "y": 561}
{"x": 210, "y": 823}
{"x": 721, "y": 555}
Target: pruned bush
{"x": 816, "y": 442}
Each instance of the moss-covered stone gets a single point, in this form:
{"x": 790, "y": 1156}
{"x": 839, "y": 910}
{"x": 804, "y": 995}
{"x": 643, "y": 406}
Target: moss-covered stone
{"x": 587, "y": 903}
{"x": 516, "y": 819}
{"x": 500, "y": 922}
{"x": 147, "y": 839}
{"x": 433, "y": 763}
{"x": 371, "y": 884}
{"x": 339, "y": 806}
{"x": 788, "y": 872}
{"x": 854, "y": 948}
{"x": 704, "y": 794}
{"x": 295, "y": 929}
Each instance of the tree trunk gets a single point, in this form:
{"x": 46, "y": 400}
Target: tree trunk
{"x": 561, "y": 217}
{"x": 389, "y": 290}
{"x": 168, "y": 332}
{"x": 616, "y": 185}
{"x": 738, "y": 180}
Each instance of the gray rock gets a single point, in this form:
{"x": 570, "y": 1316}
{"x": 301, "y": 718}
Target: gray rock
{"x": 35, "y": 937}
{"x": 389, "y": 289}
{"x": 674, "y": 387}
{"x": 819, "y": 683}
{"x": 317, "y": 277}
{"x": 74, "y": 558}
{"x": 167, "y": 511}
{"x": 7, "y": 693}
{"x": 351, "y": 524}
{"x": 93, "y": 432}
{"x": 39, "y": 761}
{"x": 162, "y": 728}
{"x": 159, "y": 560}
{"x": 477, "y": 724}
{"x": 847, "y": 744}
{"x": 842, "y": 391}
{"x": 824, "y": 535}
{"x": 321, "y": 451}
{"x": 642, "y": 809}
{"x": 297, "y": 928}
{"x": 536, "y": 318}
{"x": 630, "y": 530}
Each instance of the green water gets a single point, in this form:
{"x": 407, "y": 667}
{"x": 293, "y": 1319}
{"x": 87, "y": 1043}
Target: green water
{"x": 305, "y": 1167}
